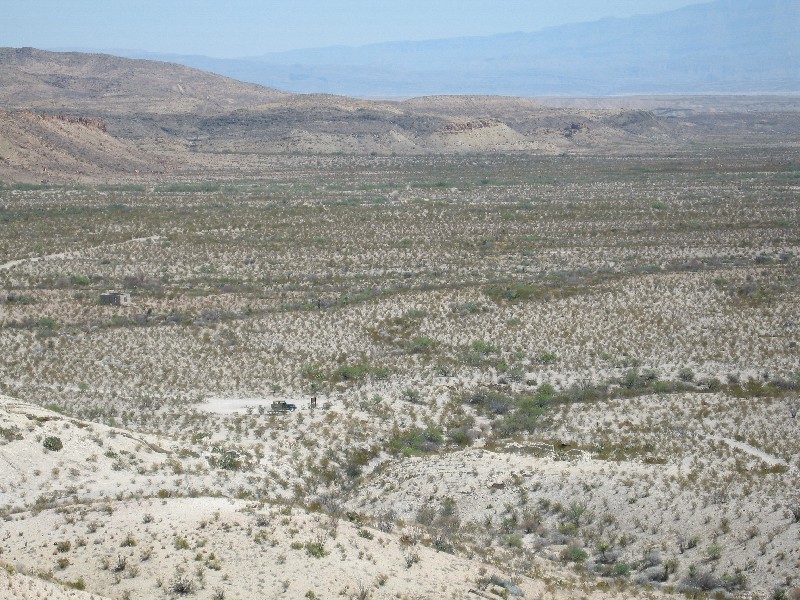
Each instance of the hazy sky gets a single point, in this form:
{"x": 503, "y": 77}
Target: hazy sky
{"x": 250, "y": 27}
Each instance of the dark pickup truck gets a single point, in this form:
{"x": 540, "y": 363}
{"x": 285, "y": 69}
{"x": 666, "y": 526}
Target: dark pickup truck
{"x": 283, "y": 406}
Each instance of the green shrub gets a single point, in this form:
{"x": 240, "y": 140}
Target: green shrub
{"x": 46, "y": 327}
{"x": 357, "y": 459}
{"x": 735, "y": 581}
{"x": 20, "y": 299}
{"x": 316, "y": 549}
{"x": 632, "y": 379}
{"x": 53, "y": 443}
{"x": 350, "y": 372}
{"x": 444, "y": 370}
{"x": 488, "y": 400}
{"x": 574, "y": 554}
{"x": 515, "y": 292}
{"x": 78, "y": 584}
{"x": 568, "y": 528}
{"x": 442, "y": 544}
{"x": 421, "y": 345}
{"x": 547, "y": 358}
{"x": 714, "y": 552}
{"x": 482, "y": 347}
{"x": 526, "y": 415}
{"x": 10, "y": 434}
{"x": 663, "y": 387}
{"x": 416, "y": 442}
{"x": 228, "y": 461}
{"x": 520, "y": 412}
{"x": 181, "y": 585}
{"x": 622, "y": 570}
{"x": 181, "y": 543}
{"x": 313, "y": 372}
{"x": 459, "y": 437}
{"x": 380, "y": 373}
{"x": 411, "y": 395}
{"x": 468, "y": 308}
{"x": 79, "y": 280}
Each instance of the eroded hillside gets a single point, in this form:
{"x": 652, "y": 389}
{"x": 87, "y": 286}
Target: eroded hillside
{"x": 38, "y": 147}
{"x": 196, "y": 122}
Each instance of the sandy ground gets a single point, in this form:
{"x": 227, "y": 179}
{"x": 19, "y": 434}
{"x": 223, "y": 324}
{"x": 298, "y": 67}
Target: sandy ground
{"x": 143, "y": 536}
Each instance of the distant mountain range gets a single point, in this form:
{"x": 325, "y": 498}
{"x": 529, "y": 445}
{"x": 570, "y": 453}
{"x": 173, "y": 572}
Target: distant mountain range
{"x": 726, "y": 46}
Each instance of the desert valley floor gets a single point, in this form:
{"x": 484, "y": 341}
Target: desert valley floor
{"x": 437, "y": 348}
{"x": 556, "y": 376}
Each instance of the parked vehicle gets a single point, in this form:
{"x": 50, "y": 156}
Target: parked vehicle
{"x": 283, "y": 406}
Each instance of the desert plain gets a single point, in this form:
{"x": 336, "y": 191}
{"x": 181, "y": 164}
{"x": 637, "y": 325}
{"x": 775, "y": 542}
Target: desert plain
{"x": 553, "y": 349}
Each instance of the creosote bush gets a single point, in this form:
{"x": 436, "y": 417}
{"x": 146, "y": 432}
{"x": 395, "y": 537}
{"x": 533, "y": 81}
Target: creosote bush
{"x": 417, "y": 442}
{"x": 53, "y": 443}
{"x": 181, "y": 585}
{"x": 316, "y": 549}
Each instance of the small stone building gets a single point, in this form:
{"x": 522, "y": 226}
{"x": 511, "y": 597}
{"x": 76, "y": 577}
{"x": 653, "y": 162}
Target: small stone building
{"x": 115, "y": 298}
